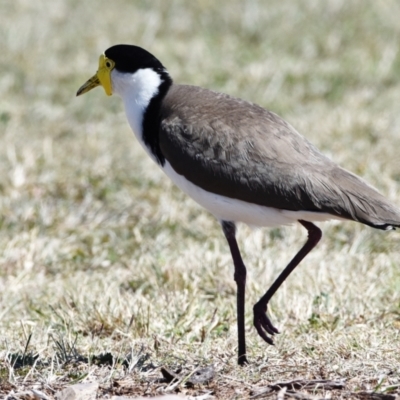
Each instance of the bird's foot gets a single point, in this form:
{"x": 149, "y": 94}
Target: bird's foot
{"x": 263, "y": 324}
{"x": 242, "y": 360}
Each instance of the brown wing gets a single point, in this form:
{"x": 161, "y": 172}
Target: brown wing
{"x": 240, "y": 150}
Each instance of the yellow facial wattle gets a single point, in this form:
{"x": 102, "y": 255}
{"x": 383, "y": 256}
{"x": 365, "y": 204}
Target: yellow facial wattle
{"x": 102, "y": 77}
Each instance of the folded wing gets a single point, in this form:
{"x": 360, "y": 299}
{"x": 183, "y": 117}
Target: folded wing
{"x": 240, "y": 150}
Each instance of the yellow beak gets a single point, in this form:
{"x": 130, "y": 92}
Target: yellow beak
{"x": 102, "y": 77}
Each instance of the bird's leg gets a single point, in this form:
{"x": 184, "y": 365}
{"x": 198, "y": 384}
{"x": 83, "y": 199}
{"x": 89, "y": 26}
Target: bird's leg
{"x": 229, "y": 229}
{"x": 261, "y": 322}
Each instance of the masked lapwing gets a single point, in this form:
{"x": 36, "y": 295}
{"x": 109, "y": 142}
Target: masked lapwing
{"x": 238, "y": 160}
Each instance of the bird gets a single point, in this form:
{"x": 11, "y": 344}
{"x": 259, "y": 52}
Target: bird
{"x": 241, "y": 162}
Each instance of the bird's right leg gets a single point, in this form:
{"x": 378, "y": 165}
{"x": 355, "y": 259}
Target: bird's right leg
{"x": 229, "y": 229}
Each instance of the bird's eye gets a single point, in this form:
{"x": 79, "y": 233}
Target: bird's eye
{"x": 108, "y": 64}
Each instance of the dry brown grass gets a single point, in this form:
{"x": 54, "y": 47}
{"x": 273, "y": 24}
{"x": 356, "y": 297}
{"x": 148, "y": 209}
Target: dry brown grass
{"x": 101, "y": 254}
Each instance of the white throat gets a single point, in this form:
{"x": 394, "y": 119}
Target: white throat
{"x": 136, "y": 91}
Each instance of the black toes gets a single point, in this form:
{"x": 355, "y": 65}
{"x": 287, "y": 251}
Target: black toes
{"x": 264, "y": 325}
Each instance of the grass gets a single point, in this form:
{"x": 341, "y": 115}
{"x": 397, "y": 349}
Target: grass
{"x": 108, "y": 272}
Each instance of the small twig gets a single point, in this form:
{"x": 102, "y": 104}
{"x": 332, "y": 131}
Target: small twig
{"x": 309, "y": 384}
{"x": 371, "y": 395}
{"x": 300, "y": 384}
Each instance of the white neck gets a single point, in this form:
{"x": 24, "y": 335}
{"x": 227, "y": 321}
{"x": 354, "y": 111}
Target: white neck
{"x": 136, "y": 91}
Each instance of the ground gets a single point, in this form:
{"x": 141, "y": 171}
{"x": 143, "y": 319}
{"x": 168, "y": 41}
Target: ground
{"x": 109, "y": 272}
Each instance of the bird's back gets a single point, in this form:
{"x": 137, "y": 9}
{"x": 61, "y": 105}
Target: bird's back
{"x": 239, "y": 150}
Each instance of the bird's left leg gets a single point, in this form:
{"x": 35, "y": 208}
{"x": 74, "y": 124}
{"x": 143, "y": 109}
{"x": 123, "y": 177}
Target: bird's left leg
{"x": 229, "y": 229}
{"x": 261, "y": 322}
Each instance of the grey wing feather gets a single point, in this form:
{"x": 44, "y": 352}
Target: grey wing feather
{"x": 240, "y": 150}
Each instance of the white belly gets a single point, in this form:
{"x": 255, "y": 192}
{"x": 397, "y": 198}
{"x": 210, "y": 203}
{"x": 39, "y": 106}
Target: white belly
{"x": 228, "y": 209}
